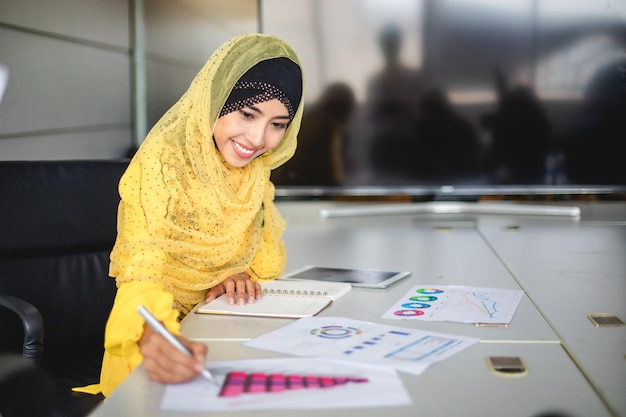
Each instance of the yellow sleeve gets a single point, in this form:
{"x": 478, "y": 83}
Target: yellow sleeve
{"x": 125, "y": 327}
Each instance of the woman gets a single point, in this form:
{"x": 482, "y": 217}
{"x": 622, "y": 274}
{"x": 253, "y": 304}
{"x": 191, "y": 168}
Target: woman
{"x": 196, "y": 217}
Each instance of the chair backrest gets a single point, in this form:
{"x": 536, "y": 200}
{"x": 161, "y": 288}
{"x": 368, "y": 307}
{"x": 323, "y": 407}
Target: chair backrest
{"x": 57, "y": 228}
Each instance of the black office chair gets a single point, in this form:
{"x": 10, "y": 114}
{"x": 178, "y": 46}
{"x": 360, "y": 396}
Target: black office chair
{"x": 25, "y": 389}
{"x": 57, "y": 228}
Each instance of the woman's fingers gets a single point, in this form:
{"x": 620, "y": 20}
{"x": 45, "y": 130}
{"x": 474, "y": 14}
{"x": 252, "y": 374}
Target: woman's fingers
{"x": 254, "y": 291}
{"x": 215, "y": 292}
{"x": 239, "y": 288}
{"x": 164, "y": 363}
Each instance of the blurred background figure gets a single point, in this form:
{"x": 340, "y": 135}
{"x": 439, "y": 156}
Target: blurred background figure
{"x": 520, "y": 135}
{"x": 593, "y": 149}
{"x": 448, "y": 145}
{"x": 320, "y": 158}
{"x": 392, "y": 100}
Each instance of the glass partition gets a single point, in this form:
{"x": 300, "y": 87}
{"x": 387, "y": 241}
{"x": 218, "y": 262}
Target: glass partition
{"x": 470, "y": 96}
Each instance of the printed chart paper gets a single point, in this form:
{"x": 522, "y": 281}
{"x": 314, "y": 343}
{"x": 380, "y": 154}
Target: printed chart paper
{"x": 456, "y": 303}
{"x": 408, "y": 350}
{"x": 376, "y": 387}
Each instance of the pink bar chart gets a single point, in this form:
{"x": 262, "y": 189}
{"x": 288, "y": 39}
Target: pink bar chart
{"x": 239, "y": 382}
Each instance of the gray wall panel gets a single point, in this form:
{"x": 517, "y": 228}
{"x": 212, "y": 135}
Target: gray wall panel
{"x": 180, "y": 37}
{"x": 190, "y": 30}
{"x": 166, "y": 84}
{"x": 55, "y": 84}
{"x": 81, "y": 145}
{"x": 104, "y": 21}
{"x": 70, "y": 91}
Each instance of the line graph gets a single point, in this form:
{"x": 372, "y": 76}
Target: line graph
{"x": 457, "y": 303}
{"x": 483, "y": 303}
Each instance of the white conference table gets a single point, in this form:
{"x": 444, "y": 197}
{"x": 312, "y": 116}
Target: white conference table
{"x": 563, "y": 376}
{"x": 576, "y": 271}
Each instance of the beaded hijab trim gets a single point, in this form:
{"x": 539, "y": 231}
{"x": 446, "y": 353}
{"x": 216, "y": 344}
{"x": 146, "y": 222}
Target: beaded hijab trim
{"x": 269, "y": 92}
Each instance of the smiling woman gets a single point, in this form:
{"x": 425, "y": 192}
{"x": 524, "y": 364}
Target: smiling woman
{"x": 258, "y": 110}
{"x": 197, "y": 217}
{"x": 244, "y": 134}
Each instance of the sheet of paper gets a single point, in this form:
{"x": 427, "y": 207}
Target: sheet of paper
{"x": 408, "y": 350}
{"x": 378, "y": 387}
{"x": 456, "y": 303}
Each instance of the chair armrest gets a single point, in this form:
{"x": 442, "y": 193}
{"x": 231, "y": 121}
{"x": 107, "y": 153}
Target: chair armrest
{"x": 31, "y": 320}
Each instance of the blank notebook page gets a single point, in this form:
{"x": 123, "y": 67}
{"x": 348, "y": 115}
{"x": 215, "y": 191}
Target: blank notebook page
{"x": 290, "y": 299}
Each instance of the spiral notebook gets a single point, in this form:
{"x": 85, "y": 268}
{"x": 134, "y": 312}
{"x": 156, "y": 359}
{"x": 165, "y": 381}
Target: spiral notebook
{"x": 282, "y": 298}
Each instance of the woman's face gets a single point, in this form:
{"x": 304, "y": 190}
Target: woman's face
{"x": 244, "y": 134}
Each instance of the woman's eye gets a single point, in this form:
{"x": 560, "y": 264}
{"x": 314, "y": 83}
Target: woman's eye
{"x": 279, "y": 125}
{"x": 246, "y": 114}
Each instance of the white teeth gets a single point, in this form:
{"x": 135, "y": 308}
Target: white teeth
{"x": 242, "y": 149}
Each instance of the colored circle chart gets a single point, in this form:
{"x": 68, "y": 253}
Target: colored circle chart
{"x": 335, "y": 332}
{"x": 418, "y": 302}
{"x": 423, "y": 298}
{"x": 408, "y": 313}
{"x": 429, "y": 291}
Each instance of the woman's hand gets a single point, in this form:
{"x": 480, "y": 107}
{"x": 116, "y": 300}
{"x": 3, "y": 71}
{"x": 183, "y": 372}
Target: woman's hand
{"x": 236, "y": 286}
{"x": 166, "y": 364}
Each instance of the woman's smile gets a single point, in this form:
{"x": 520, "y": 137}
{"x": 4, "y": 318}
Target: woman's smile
{"x": 243, "y": 151}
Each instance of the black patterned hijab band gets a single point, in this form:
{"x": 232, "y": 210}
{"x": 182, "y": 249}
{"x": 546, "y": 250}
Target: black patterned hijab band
{"x": 277, "y": 78}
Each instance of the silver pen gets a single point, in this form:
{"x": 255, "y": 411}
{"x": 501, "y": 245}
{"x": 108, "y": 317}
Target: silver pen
{"x": 158, "y": 327}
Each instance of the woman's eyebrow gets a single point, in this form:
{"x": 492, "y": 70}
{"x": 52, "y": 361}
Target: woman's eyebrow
{"x": 256, "y": 109}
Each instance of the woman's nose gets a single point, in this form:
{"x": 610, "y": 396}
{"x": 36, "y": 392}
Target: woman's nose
{"x": 256, "y": 135}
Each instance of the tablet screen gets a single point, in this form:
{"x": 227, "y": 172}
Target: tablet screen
{"x": 357, "y": 277}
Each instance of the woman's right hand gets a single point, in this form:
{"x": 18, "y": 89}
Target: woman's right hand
{"x": 166, "y": 364}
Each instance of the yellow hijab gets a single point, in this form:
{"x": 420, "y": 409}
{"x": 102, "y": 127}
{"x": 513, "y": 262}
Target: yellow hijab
{"x": 186, "y": 218}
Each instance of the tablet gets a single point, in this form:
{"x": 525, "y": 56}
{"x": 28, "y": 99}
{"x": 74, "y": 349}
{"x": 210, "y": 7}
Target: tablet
{"x": 367, "y": 278}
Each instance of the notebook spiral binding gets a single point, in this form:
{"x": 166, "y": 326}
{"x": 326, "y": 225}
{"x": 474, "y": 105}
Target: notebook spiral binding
{"x": 295, "y": 293}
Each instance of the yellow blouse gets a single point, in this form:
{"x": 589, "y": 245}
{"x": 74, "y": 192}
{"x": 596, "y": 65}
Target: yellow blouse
{"x": 187, "y": 220}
